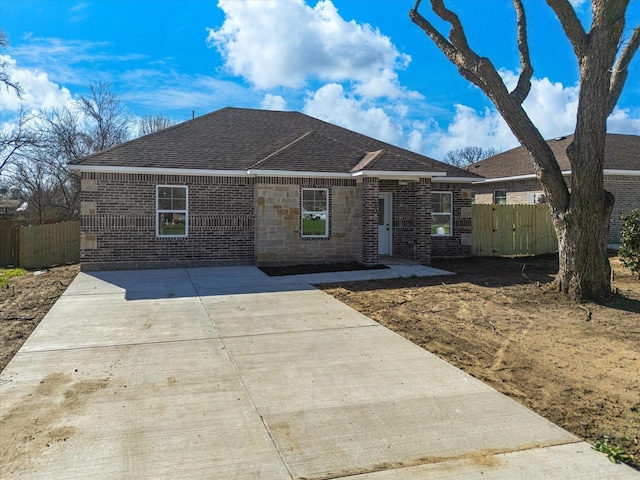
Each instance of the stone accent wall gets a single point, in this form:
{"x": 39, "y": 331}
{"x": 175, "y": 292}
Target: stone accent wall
{"x": 459, "y": 244}
{"x": 118, "y": 222}
{"x": 278, "y": 235}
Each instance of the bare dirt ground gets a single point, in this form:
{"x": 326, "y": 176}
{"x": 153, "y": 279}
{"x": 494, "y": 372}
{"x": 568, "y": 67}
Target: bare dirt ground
{"x": 25, "y": 301}
{"x": 576, "y": 364}
{"x": 498, "y": 319}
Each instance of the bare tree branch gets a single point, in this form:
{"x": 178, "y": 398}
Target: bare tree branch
{"x": 441, "y": 42}
{"x": 153, "y": 123}
{"x": 524, "y": 81}
{"x": 571, "y": 24}
{"x": 620, "y": 70}
{"x": 5, "y": 79}
{"x": 481, "y": 72}
{"x": 14, "y": 142}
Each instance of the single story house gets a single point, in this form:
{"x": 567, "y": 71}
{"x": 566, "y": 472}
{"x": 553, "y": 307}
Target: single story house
{"x": 241, "y": 186}
{"x": 509, "y": 177}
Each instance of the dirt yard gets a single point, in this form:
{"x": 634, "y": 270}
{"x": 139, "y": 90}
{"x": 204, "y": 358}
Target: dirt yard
{"x": 576, "y": 364}
{"x": 25, "y": 301}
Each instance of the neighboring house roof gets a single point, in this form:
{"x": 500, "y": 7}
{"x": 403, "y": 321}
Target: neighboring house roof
{"x": 10, "y": 203}
{"x": 244, "y": 140}
{"x": 622, "y": 153}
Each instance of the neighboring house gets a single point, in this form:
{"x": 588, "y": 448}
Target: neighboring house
{"x": 8, "y": 208}
{"x": 240, "y": 186}
{"x": 510, "y": 176}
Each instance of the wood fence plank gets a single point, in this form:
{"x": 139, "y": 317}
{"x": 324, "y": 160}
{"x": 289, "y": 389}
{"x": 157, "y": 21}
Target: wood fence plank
{"x": 43, "y": 246}
{"x": 500, "y": 230}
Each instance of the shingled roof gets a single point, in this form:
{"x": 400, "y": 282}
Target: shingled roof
{"x": 237, "y": 139}
{"x": 622, "y": 152}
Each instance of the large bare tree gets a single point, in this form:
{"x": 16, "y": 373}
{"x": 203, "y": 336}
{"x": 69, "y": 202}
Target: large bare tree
{"x": 461, "y": 157}
{"x": 153, "y": 123}
{"x": 40, "y": 175}
{"x": 582, "y": 209}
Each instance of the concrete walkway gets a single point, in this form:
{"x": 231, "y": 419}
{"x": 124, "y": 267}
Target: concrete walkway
{"x": 225, "y": 373}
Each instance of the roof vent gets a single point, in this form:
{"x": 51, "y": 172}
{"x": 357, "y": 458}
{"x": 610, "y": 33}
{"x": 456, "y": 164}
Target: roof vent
{"x": 560, "y": 138}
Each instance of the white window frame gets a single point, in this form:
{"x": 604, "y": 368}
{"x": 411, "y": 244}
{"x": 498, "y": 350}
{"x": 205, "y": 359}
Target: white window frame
{"x": 505, "y": 196}
{"x": 178, "y": 211}
{"x": 324, "y": 212}
{"x": 450, "y": 214}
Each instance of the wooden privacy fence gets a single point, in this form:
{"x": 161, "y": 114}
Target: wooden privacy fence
{"x": 512, "y": 230}
{"x": 40, "y": 246}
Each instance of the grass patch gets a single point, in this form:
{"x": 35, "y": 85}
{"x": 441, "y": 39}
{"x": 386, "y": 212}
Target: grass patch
{"x": 7, "y": 273}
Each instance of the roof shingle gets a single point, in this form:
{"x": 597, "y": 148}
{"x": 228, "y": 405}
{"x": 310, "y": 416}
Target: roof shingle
{"x": 243, "y": 139}
{"x": 622, "y": 152}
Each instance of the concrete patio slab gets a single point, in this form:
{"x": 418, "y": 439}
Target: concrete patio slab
{"x": 312, "y": 311}
{"x": 574, "y": 461}
{"x": 333, "y": 400}
{"x": 108, "y": 319}
{"x": 229, "y": 373}
{"x": 135, "y": 411}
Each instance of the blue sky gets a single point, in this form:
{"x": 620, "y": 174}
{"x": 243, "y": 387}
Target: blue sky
{"x": 360, "y": 64}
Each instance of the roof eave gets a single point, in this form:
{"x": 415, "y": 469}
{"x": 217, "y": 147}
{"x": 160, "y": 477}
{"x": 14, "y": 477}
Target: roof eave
{"x": 294, "y": 173}
{"x": 391, "y": 175}
{"x": 454, "y": 179}
{"x": 613, "y": 171}
{"x": 154, "y": 170}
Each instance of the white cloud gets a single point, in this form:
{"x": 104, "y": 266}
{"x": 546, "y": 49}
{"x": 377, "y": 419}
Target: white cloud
{"x": 38, "y": 91}
{"x": 273, "y": 102}
{"x": 577, "y": 3}
{"x": 551, "y": 106}
{"x": 623, "y": 121}
{"x": 332, "y": 104}
{"x": 286, "y": 43}
{"x": 470, "y": 128}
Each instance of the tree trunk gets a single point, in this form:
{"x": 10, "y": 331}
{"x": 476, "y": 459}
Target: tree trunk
{"x": 584, "y": 269}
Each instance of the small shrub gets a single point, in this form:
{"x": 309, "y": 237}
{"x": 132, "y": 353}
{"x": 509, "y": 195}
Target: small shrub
{"x": 630, "y": 237}
{"x": 7, "y": 273}
{"x": 615, "y": 453}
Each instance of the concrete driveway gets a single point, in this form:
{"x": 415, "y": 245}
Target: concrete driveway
{"x": 226, "y": 373}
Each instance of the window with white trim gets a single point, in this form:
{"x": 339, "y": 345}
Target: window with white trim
{"x": 172, "y": 212}
{"x": 499, "y": 197}
{"x": 441, "y": 214}
{"x": 315, "y": 213}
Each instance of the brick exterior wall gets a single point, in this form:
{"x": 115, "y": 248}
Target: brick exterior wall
{"x": 238, "y": 220}
{"x": 411, "y": 215}
{"x": 370, "y": 191}
{"x": 517, "y": 192}
{"x": 119, "y": 226}
{"x": 458, "y": 244}
{"x": 278, "y": 228}
{"x": 626, "y": 189}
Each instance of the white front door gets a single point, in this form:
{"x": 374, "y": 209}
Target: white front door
{"x": 384, "y": 224}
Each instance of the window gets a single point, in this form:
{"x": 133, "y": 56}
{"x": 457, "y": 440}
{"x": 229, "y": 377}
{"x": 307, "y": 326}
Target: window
{"x": 171, "y": 211}
{"x": 441, "y": 213}
{"x": 315, "y": 212}
{"x": 499, "y": 197}
{"x": 535, "y": 198}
